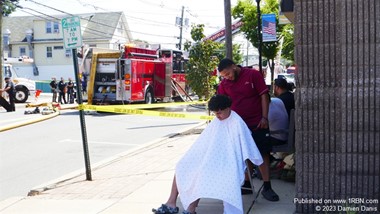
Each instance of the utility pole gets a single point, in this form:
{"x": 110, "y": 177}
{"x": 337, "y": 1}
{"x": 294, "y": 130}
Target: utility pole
{"x": 259, "y": 37}
{"x": 247, "y": 52}
{"x": 1, "y": 45}
{"x": 227, "y": 18}
{"x": 180, "y": 29}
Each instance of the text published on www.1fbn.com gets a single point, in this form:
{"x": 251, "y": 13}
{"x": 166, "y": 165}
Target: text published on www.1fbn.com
{"x": 338, "y": 205}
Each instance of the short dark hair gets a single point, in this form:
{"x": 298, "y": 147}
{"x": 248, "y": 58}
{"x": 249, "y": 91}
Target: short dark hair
{"x": 281, "y": 82}
{"x": 219, "y": 102}
{"x": 6, "y": 78}
{"x": 225, "y": 63}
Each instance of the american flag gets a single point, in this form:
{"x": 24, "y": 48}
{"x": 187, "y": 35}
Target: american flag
{"x": 269, "y": 27}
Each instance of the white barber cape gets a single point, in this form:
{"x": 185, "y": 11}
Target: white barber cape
{"x": 214, "y": 165}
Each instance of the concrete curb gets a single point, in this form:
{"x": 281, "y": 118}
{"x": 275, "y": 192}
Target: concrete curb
{"x": 135, "y": 151}
{"x": 27, "y": 122}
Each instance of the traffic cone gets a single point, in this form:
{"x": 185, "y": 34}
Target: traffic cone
{"x": 38, "y": 92}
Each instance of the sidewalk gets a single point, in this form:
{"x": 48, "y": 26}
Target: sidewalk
{"x": 133, "y": 182}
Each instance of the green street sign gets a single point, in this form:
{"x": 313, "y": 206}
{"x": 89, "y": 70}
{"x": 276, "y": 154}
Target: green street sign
{"x": 72, "y": 35}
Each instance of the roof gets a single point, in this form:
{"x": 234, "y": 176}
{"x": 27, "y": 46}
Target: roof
{"x": 101, "y": 25}
{"x": 18, "y": 26}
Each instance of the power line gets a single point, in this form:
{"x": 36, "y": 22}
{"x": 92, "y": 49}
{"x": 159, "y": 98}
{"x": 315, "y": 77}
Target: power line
{"x": 100, "y": 23}
{"x": 95, "y": 32}
{"x": 41, "y": 17}
{"x": 26, "y": 8}
{"x": 51, "y": 7}
{"x": 147, "y": 20}
{"x": 101, "y": 33}
{"x": 158, "y": 5}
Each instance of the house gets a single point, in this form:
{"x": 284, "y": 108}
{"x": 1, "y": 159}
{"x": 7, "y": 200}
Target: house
{"x": 41, "y": 38}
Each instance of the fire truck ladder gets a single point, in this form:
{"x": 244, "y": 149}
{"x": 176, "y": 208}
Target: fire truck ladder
{"x": 175, "y": 86}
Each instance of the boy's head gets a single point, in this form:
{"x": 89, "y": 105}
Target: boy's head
{"x": 220, "y": 105}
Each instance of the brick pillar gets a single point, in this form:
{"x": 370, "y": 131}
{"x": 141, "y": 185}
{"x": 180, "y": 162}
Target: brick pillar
{"x": 337, "y": 102}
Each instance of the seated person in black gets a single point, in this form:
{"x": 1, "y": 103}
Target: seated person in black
{"x": 281, "y": 91}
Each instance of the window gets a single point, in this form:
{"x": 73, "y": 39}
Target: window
{"x": 67, "y": 52}
{"x": 56, "y": 27}
{"x": 7, "y": 71}
{"x": 22, "y": 51}
{"x": 48, "y": 27}
{"x": 52, "y": 27}
{"x": 49, "y": 52}
{"x": 58, "y": 47}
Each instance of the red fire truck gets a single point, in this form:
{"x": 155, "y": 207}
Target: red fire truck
{"x": 178, "y": 64}
{"x": 128, "y": 76}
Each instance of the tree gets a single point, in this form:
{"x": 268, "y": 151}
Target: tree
{"x": 288, "y": 43}
{"x": 204, "y": 56}
{"x": 202, "y": 62}
{"x": 247, "y": 11}
{"x": 237, "y": 56}
{"x": 6, "y": 8}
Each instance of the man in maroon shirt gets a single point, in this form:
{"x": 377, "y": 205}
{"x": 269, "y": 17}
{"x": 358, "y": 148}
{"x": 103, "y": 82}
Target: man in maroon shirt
{"x": 249, "y": 94}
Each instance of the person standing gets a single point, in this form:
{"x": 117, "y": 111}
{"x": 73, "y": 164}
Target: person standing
{"x": 54, "y": 89}
{"x": 70, "y": 91}
{"x": 10, "y": 89}
{"x": 84, "y": 83}
{"x": 249, "y": 94}
{"x": 62, "y": 90}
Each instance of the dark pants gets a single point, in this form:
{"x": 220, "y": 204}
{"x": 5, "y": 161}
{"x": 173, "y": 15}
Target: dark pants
{"x": 62, "y": 96}
{"x": 262, "y": 139}
{"x": 70, "y": 96}
{"x": 12, "y": 102}
{"x": 54, "y": 99}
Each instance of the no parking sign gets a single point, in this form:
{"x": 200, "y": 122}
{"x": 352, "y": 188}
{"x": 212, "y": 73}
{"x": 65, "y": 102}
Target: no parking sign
{"x": 72, "y": 34}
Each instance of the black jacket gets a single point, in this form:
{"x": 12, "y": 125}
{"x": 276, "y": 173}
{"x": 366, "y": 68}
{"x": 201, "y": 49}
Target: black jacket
{"x": 10, "y": 91}
{"x": 61, "y": 86}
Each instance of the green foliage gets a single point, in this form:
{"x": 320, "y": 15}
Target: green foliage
{"x": 202, "y": 62}
{"x": 288, "y": 44}
{"x": 8, "y": 6}
{"x": 247, "y": 11}
{"x": 204, "y": 57}
{"x": 237, "y": 56}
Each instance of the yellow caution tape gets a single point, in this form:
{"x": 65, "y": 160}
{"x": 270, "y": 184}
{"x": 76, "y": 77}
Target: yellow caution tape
{"x": 130, "y": 109}
{"x": 159, "y": 105}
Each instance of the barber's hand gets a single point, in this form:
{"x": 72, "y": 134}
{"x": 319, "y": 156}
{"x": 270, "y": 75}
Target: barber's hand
{"x": 263, "y": 123}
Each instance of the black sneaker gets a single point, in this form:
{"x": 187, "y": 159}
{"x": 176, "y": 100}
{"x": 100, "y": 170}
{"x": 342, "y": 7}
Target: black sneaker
{"x": 270, "y": 195}
{"x": 246, "y": 189}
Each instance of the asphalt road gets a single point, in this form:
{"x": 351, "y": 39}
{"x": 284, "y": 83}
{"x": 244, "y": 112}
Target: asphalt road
{"x": 40, "y": 152}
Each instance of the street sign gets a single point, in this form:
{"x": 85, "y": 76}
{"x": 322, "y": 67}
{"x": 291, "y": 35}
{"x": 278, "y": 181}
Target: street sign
{"x": 72, "y": 36}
